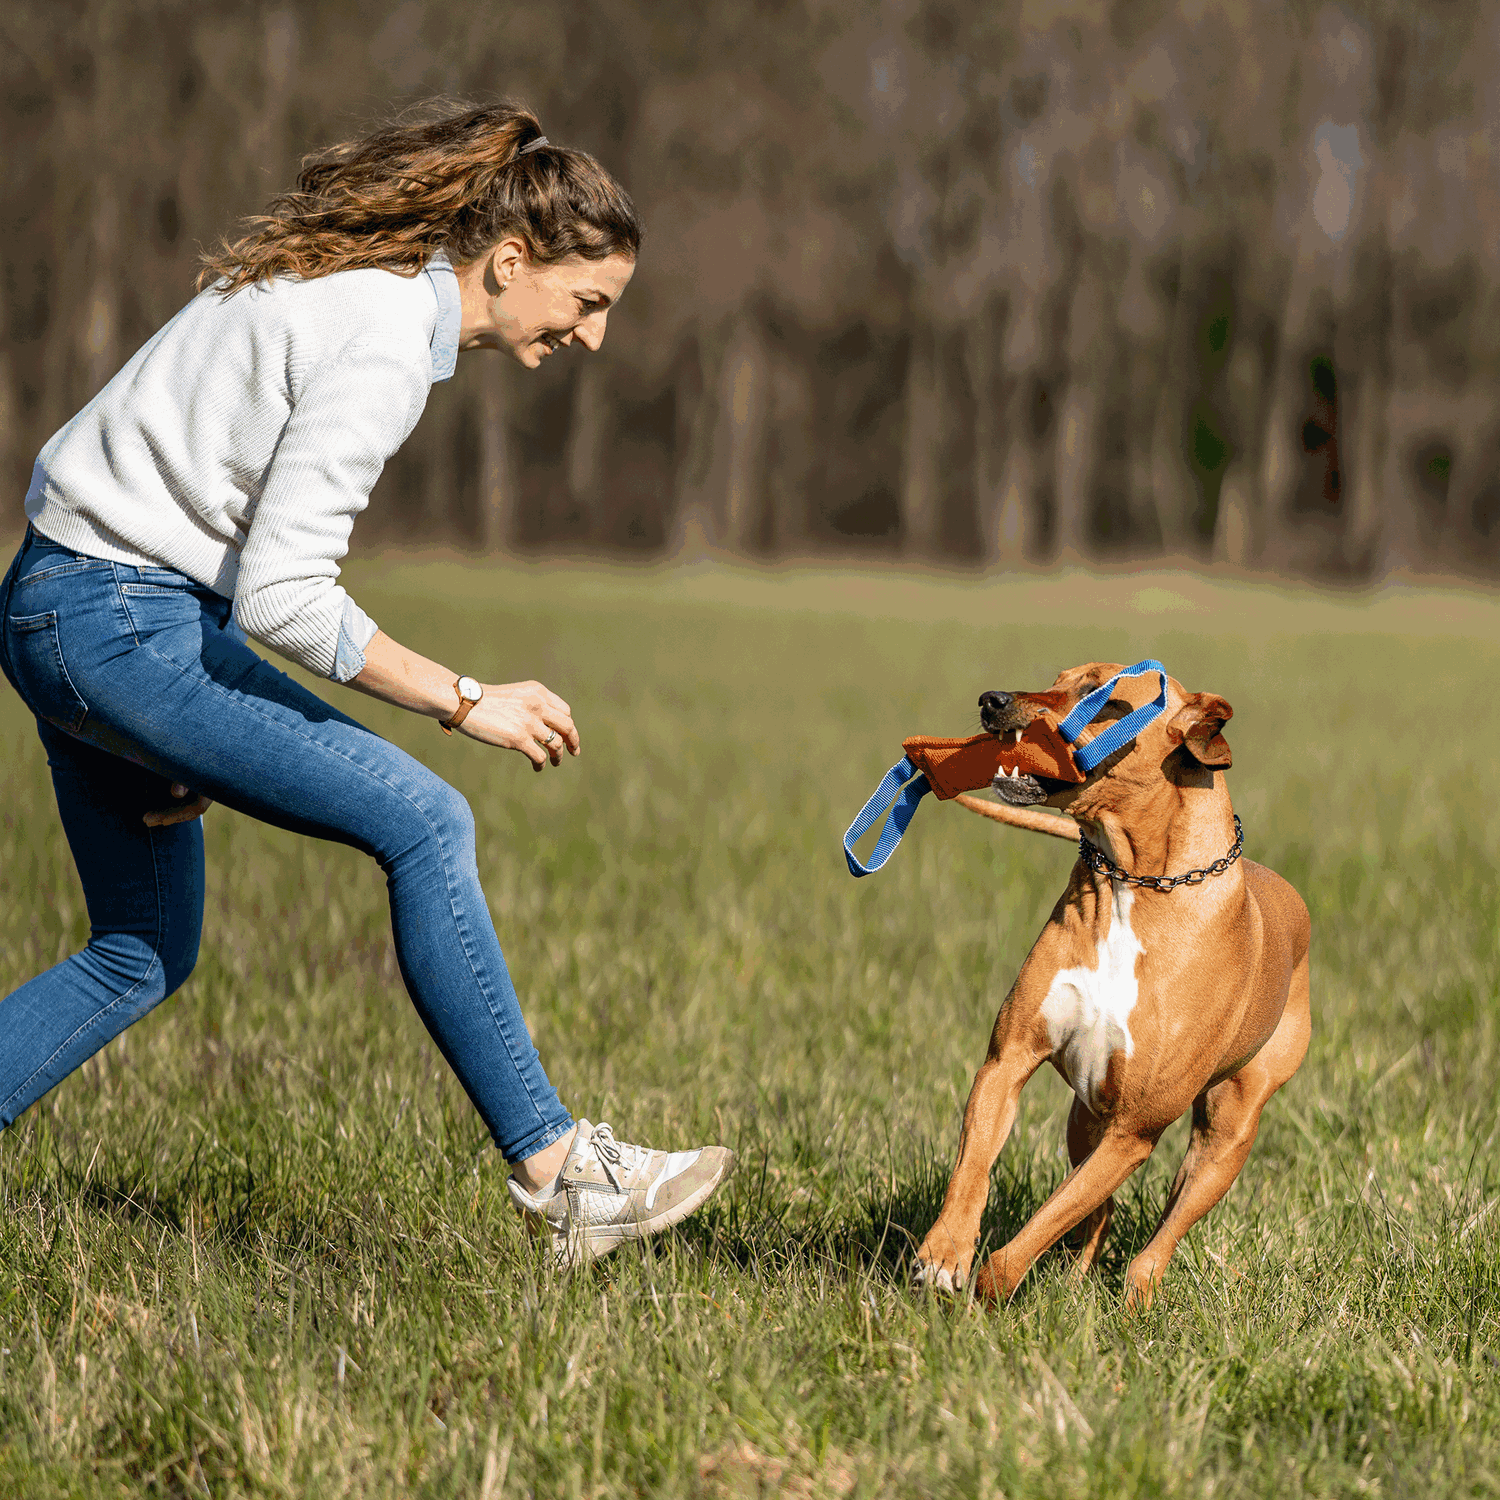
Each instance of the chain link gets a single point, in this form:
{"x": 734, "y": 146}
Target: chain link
{"x": 1098, "y": 861}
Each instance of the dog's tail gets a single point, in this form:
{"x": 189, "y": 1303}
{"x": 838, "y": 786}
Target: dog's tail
{"x": 1060, "y": 827}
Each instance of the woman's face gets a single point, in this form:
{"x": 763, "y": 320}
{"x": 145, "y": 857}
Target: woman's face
{"x": 530, "y": 310}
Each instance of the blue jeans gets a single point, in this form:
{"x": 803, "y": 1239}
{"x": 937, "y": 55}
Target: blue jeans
{"x": 138, "y": 678}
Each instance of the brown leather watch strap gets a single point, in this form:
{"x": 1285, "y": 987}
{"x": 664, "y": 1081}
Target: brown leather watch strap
{"x": 449, "y": 725}
{"x": 459, "y": 714}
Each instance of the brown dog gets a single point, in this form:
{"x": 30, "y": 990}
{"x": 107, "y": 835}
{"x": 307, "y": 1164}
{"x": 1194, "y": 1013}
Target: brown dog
{"x": 1149, "y": 1002}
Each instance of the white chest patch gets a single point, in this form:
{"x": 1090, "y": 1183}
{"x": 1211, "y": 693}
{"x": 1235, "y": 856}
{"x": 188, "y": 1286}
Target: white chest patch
{"x": 1087, "y": 1011}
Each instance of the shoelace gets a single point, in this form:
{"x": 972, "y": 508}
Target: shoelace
{"x": 609, "y": 1151}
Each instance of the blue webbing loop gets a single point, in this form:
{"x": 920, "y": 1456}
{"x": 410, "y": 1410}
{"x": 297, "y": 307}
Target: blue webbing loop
{"x": 1122, "y": 731}
{"x": 898, "y": 778}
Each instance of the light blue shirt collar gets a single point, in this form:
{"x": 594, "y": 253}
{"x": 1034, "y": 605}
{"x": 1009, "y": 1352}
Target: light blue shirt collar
{"x": 439, "y": 273}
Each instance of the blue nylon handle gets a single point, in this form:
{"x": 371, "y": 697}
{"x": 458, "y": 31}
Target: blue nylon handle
{"x": 1122, "y": 731}
{"x": 897, "y": 779}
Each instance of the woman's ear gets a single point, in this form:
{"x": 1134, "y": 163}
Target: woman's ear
{"x": 506, "y": 260}
{"x": 1196, "y": 728}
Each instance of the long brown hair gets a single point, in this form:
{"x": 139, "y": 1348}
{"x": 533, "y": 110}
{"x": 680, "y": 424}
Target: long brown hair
{"x": 459, "y": 180}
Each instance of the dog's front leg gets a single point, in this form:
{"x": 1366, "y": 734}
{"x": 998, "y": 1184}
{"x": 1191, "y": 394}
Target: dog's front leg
{"x": 947, "y": 1252}
{"x": 1083, "y": 1190}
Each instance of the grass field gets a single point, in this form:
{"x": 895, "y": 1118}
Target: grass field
{"x": 258, "y": 1245}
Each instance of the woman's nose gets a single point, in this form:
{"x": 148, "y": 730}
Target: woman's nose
{"x": 590, "y": 332}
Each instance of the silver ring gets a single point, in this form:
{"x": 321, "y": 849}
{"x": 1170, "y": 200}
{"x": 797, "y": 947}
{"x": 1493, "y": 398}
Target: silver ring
{"x": 551, "y": 735}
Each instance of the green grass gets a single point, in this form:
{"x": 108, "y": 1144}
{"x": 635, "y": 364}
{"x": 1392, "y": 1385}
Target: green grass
{"x": 258, "y": 1246}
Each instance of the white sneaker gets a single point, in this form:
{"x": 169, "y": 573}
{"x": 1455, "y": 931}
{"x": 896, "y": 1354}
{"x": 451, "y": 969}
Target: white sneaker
{"x": 609, "y": 1192}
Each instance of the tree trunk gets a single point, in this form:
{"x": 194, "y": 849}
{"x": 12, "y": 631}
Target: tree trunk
{"x": 1077, "y": 443}
{"x": 1015, "y": 538}
{"x": 101, "y": 333}
{"x": 994, "y": 437}
{"x": 1078, "y": 422}
{"x": 11, "y": 437}
{"x": 1174, "y": 496}
{"x": 1399, "y": 546}
{"x": 1364, "y": 441}
{"x": 587, "y": 443}
{"x": 743, "y": 423}
{"x": 1147, "y": 320}
{"x": 1474, "y": 495}
{"x": 1234, "y": 524}
{"x": 921, "y": 478}
{"x": 1362, "y": 358}
{"x": 280, "y": 43}
{"x": 499, "y": 498}
{"x": 693, "y": 532}
{"x": 1306, "y": 326}
{"x": 1017, "y": 520}
{"x": 793, "y": 464}
{"x": 1238, "y": 520}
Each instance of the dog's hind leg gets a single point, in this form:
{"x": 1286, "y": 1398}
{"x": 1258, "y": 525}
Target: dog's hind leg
{"x": 947, "y": 1251}
{"x": 1085, "y": 1130}
{"x": 1226, "y": 1119}
{"x": 1084, "y": 1190}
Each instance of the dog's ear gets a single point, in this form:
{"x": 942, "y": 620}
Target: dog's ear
{"x": 1197, "y": 726}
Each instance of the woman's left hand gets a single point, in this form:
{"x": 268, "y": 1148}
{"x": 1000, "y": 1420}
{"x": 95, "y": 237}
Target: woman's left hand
{"x": 184, "y": 814}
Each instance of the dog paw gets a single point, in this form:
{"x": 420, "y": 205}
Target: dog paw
{"x": 940, "y": 1278}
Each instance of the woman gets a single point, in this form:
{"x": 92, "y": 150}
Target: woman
{"x": 207, "y": 493}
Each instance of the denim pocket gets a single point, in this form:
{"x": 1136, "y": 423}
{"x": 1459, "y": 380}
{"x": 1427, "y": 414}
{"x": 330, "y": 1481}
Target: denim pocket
{"x": 41, "y": 674}
{"x": 51, "y": 563}
{"x": 155, "y": 608}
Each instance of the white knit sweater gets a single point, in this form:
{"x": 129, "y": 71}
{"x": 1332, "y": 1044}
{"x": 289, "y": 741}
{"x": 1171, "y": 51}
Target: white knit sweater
{"x": 238, "y": 445}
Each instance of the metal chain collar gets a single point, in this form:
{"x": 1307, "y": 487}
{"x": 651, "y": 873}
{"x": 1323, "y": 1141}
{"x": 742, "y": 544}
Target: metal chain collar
{"x": 1098, "y": 861}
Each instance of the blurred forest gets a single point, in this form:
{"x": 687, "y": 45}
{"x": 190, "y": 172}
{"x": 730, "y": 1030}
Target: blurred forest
{"x": 986, "y": 281}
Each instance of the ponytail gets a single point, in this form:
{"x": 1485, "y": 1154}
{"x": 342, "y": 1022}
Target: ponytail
{"x": 460, "y": 181}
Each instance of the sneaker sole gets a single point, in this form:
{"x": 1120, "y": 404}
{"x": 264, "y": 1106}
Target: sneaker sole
{"x": 593, "y": 1244}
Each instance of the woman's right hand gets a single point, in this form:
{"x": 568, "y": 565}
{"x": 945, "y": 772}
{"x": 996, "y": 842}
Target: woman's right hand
{"x": 524, "y": 716}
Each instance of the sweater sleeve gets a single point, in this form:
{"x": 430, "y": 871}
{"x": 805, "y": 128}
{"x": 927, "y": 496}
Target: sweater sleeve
{"x": 354, "y": 411}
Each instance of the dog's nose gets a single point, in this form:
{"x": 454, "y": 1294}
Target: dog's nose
{"x": 994, "y": 702}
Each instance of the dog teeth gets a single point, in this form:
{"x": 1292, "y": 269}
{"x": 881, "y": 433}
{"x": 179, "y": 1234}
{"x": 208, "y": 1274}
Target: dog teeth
{"x": 1017, "y": 734}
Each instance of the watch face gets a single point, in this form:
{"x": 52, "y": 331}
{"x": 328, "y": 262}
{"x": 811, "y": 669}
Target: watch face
{"x": 468, "y": 688}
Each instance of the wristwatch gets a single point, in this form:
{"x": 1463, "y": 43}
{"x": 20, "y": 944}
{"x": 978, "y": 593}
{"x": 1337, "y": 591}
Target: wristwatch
{"x": 469, "y": 693}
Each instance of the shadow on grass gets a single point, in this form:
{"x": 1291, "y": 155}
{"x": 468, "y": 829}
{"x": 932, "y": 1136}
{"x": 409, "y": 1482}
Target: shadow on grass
{"x": 878, "y": 1232}
{"x": 243, "y": 1212}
